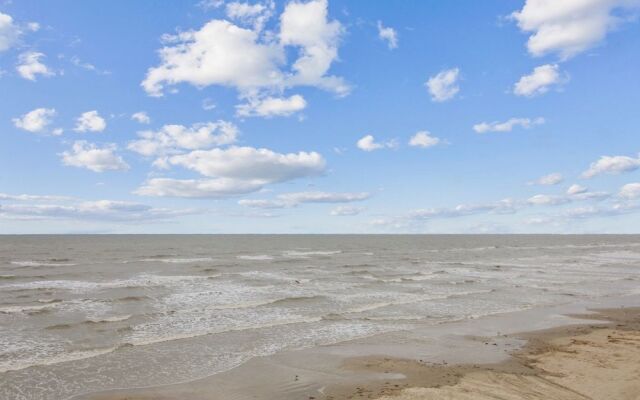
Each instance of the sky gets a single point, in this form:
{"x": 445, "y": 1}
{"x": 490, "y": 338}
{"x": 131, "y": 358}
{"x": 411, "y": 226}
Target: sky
{"x": 320, "y": 116}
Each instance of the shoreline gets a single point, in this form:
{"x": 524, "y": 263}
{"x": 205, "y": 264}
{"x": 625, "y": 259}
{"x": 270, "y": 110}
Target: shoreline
{"x": 390, "y": 364}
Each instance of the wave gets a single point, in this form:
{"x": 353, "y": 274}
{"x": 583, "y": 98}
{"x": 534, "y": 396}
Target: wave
{"x": 306, "y": 254}
{"x": 48, "y": 263}
{"x": 115, "y": 318}
{"x": 169, "y": 338}
{"x": 17, "y": 365}
{"x": 23, "y": 308}
{"x": 259, "y": 257}
{"x": 178, "y": 260}
{"x": 413, "y": 300}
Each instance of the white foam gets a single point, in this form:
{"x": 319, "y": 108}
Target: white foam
{"x": 259, "y": 257}
{"x": 306, "y": 254}
{"x": 32, "y": 263}
{"x": 178, "y": 260}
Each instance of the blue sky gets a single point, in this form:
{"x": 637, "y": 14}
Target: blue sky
{"x": 319, "y": 117}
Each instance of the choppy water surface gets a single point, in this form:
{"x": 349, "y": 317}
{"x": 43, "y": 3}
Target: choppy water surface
{"x": 86, "y": 313}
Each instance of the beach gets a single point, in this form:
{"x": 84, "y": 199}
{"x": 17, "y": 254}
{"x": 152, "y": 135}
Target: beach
{"x": 596, "y": 359}
{"x": 303, "y": 316}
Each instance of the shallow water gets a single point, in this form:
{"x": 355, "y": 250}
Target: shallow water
{"x": 88, "y": 313}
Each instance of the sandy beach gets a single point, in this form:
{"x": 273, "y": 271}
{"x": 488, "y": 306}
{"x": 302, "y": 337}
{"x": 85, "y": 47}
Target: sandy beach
{"x": 599, "y": 359}
{"x": 591, "y": 361}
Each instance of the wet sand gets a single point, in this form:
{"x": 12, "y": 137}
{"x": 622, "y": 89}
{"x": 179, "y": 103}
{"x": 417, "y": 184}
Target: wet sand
{"x": 599, "y": 359}
{"x": 594, "y": 361}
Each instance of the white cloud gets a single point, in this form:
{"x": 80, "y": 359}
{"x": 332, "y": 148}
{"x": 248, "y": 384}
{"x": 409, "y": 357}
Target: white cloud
{"x": 444, "y": 85}
{"x": 208, "y": 104}
{"x": 551, "y": 179}
{"x": 368, "y": 143}
{"x": 29, "y": 66}
{"x": 9, "y": 32}
{"x": 287, "y": 200}
{"x": 210, "y": 4}
{"x": 36, "y": 120}
{"x": 32, "y": 197}
{"x": 100, "y": 210}
{"x": 569, "y": 27}
{"x": 547, "y": 200}
{"x": 141, "y": 117}
{"x": 630, "y": 191}
{"x": 255, "y": 15}
{"x": 97, "y": 159}
{"x": 198, "y": 188}
{"x": 249, "y": 163}
{"x": 75, "y": 60}
{"x": 388, "y": 34}
{"x": 578, "y": 193}
{"x": 90, "y": 121}
{"x": 539, "y": 81}
{"x": 345, "y": 211}
{"x": 576, "y": 189}
{"x": 306, "y": 26}
{"x": 423, "y": 139}
{"x": 171, "y": 139}
{"x": 221, "y": 53}
{"x": 271, "y": 106}
{"x": 505, "y": 206}
{"x": 612, "y": 165}
{"x": 235, "y": 170}
{"x": 508, "y": 125}
{"x": 33, "y": 26}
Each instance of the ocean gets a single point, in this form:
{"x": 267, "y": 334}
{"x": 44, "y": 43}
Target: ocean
{"x": 86, "y": 313}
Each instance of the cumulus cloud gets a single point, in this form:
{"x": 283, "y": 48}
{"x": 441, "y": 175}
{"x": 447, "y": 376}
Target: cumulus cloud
{"x": 35, "y": 121}
{"x": 141, "y": 117}
{"x": 306, "y": 26}
{"x": 251, "y": 164}
{"x": 569, "y": 27}
{"x": 368, "y": 143}
{"x": 444, "y": 86}
{"x": 576, "y": 189}
{"x": 388, "y": 34}
{"x": 255, "y": 15}
{"x": 222, "y": 53}
{"x": 235, "y": 170}
{"x": 171, "y": 139}
{"x": 507, "y": 126}
{"x": 630, "y": 191}
{"x": 547, "y": 200}
{"x": 271, "y": 106}
{"x": 423, "y": 139}
{"x": 30, "y": 66}
{"x": 551, "y": 179}
{"x": 612, "y": 165}
{"x": 346, "y": 211}
{"x": 97, "y": 159}
{"x": 90, "y": 121}
{"x": 539, "y": 81}
{"x": 198, "y": 188}
{"x": 9, "y": 32}
{"x": 288, "y": 200}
